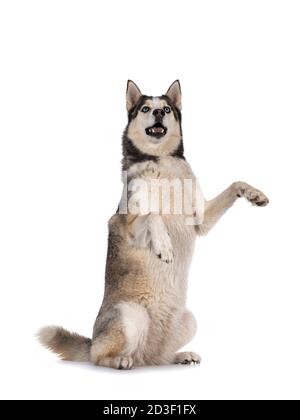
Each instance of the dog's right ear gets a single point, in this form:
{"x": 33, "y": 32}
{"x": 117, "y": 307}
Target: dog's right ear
{"x": 133, "y": 94}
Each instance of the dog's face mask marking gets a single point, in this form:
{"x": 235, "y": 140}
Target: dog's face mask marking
{"x": 154, "y": 122}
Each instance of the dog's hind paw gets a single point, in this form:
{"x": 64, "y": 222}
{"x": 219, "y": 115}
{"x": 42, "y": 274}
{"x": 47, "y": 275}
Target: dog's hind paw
{"x": 187, "y": 358}
{"x": 125, "y": 362}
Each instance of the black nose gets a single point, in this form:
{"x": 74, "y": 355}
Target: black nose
{"x": 158, "y": 113}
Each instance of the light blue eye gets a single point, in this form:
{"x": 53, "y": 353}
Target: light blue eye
{"x": 145, "y": 109}
{"x": 167, "y": 109}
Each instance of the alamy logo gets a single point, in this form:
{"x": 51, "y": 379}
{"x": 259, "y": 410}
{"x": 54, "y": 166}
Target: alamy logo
{"x": 163, "y": 196}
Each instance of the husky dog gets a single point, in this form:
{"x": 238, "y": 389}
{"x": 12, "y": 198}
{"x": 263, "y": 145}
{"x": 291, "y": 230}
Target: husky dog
{"x": 143, "y": 319}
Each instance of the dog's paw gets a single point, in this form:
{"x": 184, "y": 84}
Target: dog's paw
{"x": 162, "y": 247}
{"x": 187, "y": 358}
{"x": 125, "y": 362}
{"x": 256, "y": 197}
{"x": 151, "y": 171}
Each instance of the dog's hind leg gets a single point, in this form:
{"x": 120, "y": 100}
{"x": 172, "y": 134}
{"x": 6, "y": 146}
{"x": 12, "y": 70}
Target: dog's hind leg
{"x": 119, "y": 335}
{"x": 107, "y": 348}
{"x": 181, "y": 332}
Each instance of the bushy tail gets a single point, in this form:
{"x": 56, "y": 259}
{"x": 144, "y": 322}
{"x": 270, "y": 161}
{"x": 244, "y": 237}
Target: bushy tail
{"x": 69, "y": 346}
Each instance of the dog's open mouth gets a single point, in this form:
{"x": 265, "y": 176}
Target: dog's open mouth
{"x": 157, "y": 130}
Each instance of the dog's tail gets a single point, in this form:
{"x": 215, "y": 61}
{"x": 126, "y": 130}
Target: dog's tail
{"x": 69, "y": 346}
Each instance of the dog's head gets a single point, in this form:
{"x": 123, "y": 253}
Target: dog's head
{"x": 154, "y": 123}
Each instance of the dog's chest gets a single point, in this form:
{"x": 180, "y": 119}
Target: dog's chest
{"x": 177, "y": 176}
{"x": 174, "y": 168}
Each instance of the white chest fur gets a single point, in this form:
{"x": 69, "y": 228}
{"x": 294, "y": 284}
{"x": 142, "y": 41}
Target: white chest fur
{"x": 178, "y": 224}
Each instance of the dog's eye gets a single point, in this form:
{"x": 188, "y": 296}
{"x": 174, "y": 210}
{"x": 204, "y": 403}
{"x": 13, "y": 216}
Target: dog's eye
{"x": 167, "y": 109}
{"x": 145, "y": 109}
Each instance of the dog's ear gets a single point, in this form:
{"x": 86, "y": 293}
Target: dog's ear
{"x": 133, "y": 94}
{"x": 174, "y": 93}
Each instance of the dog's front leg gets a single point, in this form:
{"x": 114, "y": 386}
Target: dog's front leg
{"x": 216, "y": 207}
{"x": 150, "y": 231}
{"x": 160, "y": 238}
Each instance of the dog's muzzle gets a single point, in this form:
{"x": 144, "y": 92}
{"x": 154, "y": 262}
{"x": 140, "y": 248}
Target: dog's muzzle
{"x": 157, "y": 130}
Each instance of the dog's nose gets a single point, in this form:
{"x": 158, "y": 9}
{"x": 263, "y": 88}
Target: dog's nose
{"x": 158, "y": 113}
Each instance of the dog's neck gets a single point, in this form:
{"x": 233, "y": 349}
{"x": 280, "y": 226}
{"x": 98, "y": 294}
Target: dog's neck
{"x": 132, "y": 155}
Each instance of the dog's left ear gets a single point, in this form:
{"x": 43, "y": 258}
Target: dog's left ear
{"x": 174, "y": 93}
{"x": 133, "y": 94}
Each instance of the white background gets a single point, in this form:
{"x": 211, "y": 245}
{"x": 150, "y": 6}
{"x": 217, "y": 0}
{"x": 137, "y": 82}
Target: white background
{"x": 64, "y": 67}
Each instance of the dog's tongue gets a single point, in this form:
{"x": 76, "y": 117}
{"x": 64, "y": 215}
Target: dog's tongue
{"x": 157, "y": 130}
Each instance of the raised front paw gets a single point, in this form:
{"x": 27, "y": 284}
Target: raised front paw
{"x": 255, "y": 196}
{"x": 162, "y": 247}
